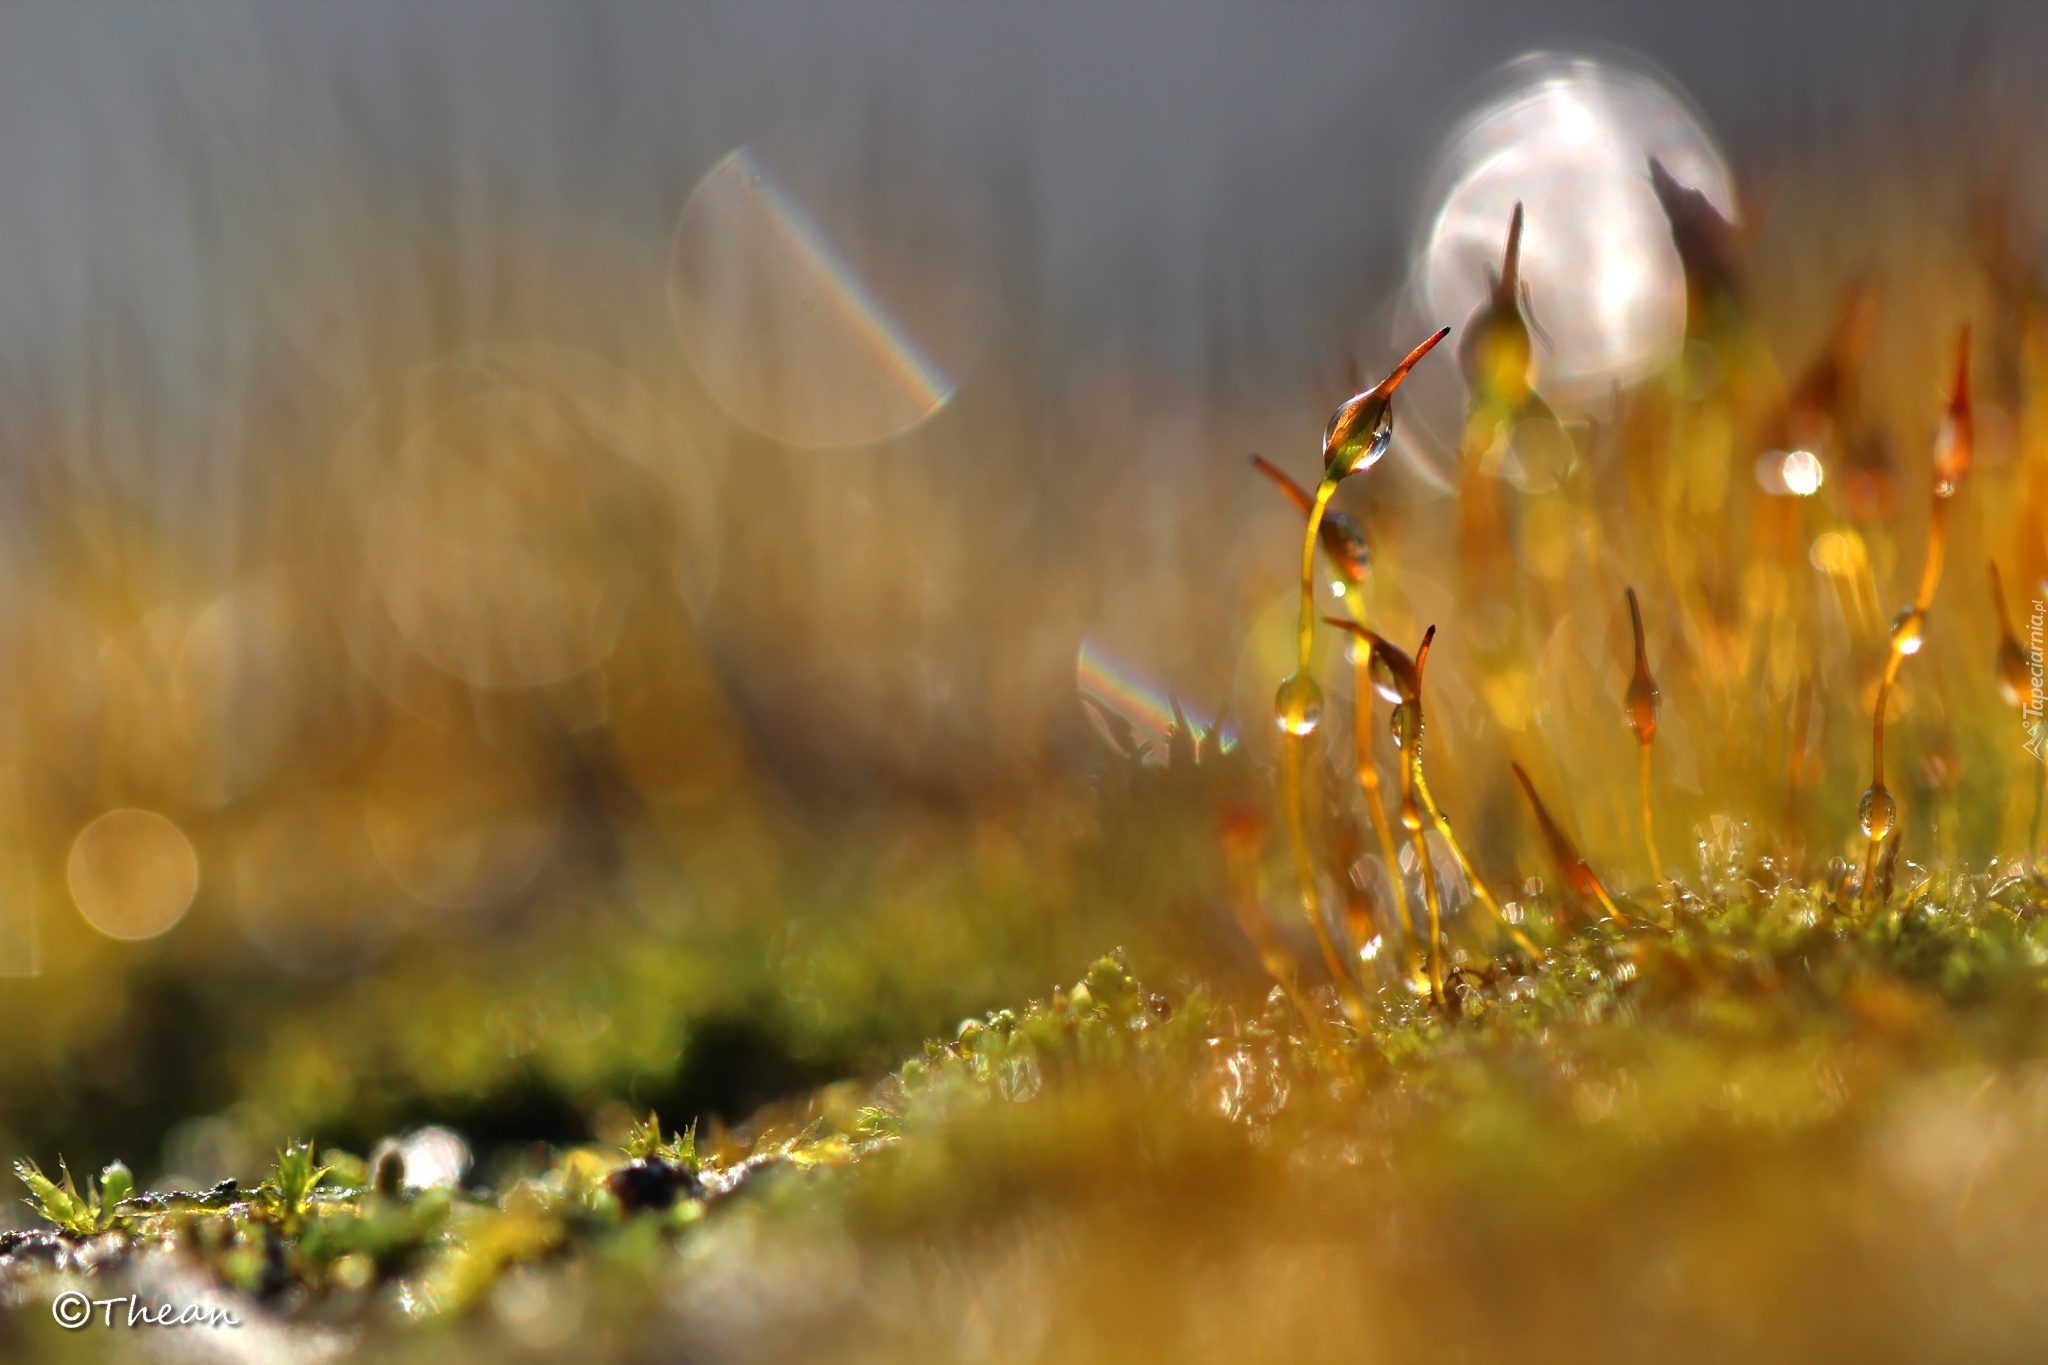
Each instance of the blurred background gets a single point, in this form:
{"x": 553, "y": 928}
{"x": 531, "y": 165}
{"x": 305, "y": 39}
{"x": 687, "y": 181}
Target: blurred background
{"x": 550, "y": 555}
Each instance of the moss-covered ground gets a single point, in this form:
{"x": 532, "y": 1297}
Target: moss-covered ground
{"x": 1768, "y": 1127}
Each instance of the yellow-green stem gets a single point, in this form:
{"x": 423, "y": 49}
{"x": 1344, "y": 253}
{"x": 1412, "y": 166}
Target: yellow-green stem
{"x": 1472, "y": 877}
{"x": 1411, "y": 820}
{"x": 1305, "y": 876}
{"x": 1607, "y": 903}
{"x": 1923, "y": 598}
{"x": 1307, "y": 628}
{"x": 1434, "y": 957}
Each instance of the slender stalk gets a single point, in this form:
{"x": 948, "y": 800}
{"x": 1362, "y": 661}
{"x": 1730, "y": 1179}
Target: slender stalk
{"x": 1472, "y": 877}
{"x": 1649, "y": 828}
{"x": 1355, "y": 439}
{"x": 1607, "y": 903}
{"x": 1406, "y": 676}
{"x": 1368, "y": 771}
{"x": 1577, "y": 875}
{"x": 1305, "y": 876}
{"x": 1242, "y": 838}
{"x": 1306, "y": 643}
{"x": 1878, "y": 813}
{"x": 1408, "y": 719}
{"x": 1954, "y": 450}
{"x": 1411, "y": 819}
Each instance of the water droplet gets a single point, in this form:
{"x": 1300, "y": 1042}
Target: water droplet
{"x": 1383, "y": 680}
{"x": 1018, "y": 1078}
{"x": 1877, "y": 811}
{"x": 1358, "y": 435}
{"x": 1906, "y": 631}
{"x": 1401, "y": 722}
{"x": 1346, "y": 547}
{"x": 1298, "y": 705}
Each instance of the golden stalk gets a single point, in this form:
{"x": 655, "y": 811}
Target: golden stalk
{"x": 1954, "y": 448}
{"x": 1355, "y": 439}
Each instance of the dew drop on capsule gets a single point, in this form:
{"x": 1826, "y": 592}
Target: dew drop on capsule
{"x": 1298, "y": 705}
{"x": 1358, "y": 435}
{"x": 1877, "y": 811}
{"x": 1399, "y": 722}
{"x": 1383, "y": 679}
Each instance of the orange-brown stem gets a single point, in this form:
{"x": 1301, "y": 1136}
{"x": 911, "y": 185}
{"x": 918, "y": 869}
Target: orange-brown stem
{"x": 1578, "y": 877}
{"x": 1294, "y": 492}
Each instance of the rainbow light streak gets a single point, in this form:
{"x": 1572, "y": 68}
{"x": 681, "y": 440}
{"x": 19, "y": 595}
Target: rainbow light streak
{"x": 1134, "y": 697}
{"x": 799, "y": 232}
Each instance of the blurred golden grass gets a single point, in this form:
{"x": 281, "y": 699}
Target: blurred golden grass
{"x": 500, "y": 683}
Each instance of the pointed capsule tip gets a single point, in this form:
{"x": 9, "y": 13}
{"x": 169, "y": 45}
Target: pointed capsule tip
{"x": 1511, "y": 258}
{"x": 1422, "y": 653}
{"x": 1393, "y": 381}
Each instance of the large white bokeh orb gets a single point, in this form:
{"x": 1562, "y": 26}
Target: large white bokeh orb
{"x": 1571, "y": 139}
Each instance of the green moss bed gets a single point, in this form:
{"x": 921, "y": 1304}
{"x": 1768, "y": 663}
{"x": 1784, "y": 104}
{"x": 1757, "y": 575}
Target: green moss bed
{"x": 1766, "y": 1128}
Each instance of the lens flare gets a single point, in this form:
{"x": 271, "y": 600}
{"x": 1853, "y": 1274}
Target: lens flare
{"x": 816, "y": 337}
{"x": 1118, "y": 690}
{"x": 1571, "y": 139}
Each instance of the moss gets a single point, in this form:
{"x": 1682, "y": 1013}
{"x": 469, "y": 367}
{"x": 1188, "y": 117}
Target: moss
{"x": 1748, "y": 1045}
